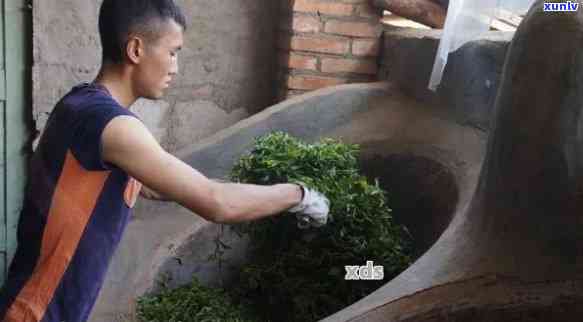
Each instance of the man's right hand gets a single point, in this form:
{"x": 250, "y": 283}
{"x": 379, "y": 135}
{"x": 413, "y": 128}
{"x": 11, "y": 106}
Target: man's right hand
{"x": 313, "y": 210}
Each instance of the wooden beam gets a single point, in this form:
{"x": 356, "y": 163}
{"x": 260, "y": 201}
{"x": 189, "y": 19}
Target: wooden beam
{"x": 425, "y": 12}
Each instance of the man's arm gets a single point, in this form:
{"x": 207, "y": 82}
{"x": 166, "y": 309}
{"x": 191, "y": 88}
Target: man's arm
{"x": 128, "y": 144}
{"x": 148, "y": 193}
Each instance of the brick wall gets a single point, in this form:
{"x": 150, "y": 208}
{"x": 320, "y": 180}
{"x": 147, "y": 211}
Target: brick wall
{"x": 326, "y": 42}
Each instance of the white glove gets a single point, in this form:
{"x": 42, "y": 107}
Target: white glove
{"x": 312, "y": 210}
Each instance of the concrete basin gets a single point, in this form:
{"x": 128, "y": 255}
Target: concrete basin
{"x": 427, "y": 161}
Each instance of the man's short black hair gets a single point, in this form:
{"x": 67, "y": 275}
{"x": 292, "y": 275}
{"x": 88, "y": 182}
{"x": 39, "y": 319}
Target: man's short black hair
{"x": 120, "y": 18}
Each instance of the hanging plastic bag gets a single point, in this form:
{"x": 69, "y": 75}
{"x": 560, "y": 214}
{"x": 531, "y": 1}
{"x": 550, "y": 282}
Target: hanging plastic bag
{"x": 467, "y": 20}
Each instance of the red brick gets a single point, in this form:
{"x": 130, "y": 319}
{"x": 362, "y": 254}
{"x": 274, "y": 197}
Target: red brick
{"x": 355, "y": 29}
{"x": 326, "y": 8}
{"x": 334, "y": 65}
{"x": 365, "y": 47}
{"x": 320, "y": 45}
{"x": 306, "y": 24}
{"x": 294, "y": 61}
{"x": 368, "y": 11}
{"x": 307, "y": 82}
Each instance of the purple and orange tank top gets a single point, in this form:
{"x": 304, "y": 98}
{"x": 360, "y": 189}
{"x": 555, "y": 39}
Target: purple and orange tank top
{"x": 76, "y": 207}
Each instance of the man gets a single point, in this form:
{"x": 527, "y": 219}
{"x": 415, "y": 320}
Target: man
{"x": 82, "y": 187}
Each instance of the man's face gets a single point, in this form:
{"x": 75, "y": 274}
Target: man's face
{"x": 159, "y": 64}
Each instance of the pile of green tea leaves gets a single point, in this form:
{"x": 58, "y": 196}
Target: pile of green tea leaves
{"x": 193, "y": 302}
{"x": 298, "y": 275}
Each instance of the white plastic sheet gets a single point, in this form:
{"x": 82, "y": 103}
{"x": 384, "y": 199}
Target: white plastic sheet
{"x": 467, "y": 20}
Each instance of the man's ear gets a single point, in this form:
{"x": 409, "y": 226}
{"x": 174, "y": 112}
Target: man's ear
{"x": 135, "y": 49}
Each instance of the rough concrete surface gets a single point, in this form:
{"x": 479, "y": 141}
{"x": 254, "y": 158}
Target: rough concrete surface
{"x": 227, "y": 65}
{"x": 470, "y": 80}
{"x": 166, "y": 242}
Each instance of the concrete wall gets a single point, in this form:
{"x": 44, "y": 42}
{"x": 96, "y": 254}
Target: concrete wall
{"x": 226, "y": 66}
